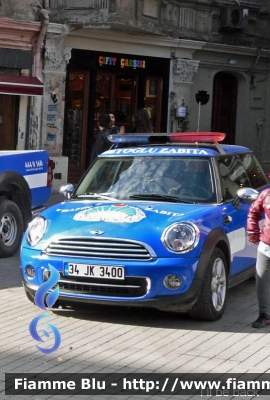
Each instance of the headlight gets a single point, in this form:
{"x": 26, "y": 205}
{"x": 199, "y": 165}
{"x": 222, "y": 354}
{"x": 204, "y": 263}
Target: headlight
{"x": 35, "y": 230}
{"x": 181, "y": 237}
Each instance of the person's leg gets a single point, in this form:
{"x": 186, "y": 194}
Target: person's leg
{"x": 263, "y": 290}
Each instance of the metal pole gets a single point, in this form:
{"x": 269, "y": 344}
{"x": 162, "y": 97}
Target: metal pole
{"x": 199, "y": 116}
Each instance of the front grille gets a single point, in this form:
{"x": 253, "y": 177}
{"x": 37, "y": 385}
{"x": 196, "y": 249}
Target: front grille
{"x": 129, "y": 287}
{"x": 101, "y": 248}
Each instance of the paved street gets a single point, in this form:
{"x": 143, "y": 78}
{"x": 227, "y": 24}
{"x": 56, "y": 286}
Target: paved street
{"x": 103, "y": 339}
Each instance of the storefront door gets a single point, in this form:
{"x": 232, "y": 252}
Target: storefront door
{"x": 99, "y": 82}
{"x": 116, "y": 92}
{"x": 8, "y": 122}
{"x": 225, "y": 105}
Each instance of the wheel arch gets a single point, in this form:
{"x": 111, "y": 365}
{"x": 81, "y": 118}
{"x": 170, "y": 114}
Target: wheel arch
{"x": 215, "y": 239}
{"x": 14, "y": 187}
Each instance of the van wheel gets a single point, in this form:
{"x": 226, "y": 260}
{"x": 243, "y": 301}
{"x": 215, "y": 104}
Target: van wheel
{"x": 11, "y": 228}
{"x": 211, "y": 302}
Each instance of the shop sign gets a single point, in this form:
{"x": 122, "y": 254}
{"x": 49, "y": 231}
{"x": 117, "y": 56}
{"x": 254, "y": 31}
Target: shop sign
{"x": 122, "y": 62}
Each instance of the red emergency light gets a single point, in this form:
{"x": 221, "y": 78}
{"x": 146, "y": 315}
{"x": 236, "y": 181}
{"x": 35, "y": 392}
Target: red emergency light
{"x": 197, "y": 137}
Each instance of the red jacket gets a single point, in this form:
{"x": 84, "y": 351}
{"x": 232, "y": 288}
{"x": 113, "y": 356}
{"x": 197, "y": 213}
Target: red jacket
{"x": 260, "y": 206}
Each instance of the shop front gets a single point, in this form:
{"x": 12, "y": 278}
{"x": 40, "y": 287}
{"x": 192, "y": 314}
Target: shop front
{"x": 100, "y": 82}
{"x": 16, "y": 94}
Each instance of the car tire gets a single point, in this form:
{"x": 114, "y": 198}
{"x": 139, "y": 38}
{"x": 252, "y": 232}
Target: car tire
{"x": 11, "y": 228}
{"x": 211, "y": 302}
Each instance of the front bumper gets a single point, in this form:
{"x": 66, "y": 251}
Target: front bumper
{"x": 153, "y": 292}
{"x": 182, "y": 302}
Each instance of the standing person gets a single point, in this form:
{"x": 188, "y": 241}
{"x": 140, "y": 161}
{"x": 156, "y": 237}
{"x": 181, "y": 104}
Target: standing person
{"x": 102, "y": 142}
{"x": 262, "y": 238}
{"x": 143, "y": 122}
{"x": 115, "y": 129}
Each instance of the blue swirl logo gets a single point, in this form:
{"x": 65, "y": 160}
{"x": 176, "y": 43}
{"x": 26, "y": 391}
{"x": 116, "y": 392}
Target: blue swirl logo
{"x": 43, "y": 289}
{"x": 35, "y": 335}
{"x": 40, "y": 298}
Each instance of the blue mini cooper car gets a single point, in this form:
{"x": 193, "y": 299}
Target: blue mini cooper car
{"x": 157, "y": 221}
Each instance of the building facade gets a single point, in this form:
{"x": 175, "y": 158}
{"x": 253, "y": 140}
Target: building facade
{"x": 22, "y": 32}
{"x": 194, "y": 65}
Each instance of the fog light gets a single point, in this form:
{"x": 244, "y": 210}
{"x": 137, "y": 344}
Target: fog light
{"x": 172, "y": 282}
{"x": 30, "y": 272}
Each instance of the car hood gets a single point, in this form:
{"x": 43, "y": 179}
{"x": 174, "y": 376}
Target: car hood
{"x": 142, "y": 221}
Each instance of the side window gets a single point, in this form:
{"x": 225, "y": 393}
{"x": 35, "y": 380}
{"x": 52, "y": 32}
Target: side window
{"x": 233, "y": 176}
{"x": 254, "y": 171}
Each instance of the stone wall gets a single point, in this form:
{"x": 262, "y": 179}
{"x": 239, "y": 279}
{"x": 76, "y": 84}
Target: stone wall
{"x": 26, "y": 10}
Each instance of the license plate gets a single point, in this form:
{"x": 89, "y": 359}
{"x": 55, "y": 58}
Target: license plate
{"x": 95, "y": 271}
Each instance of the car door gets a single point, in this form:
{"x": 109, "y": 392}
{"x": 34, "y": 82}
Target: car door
{"x": 233, "y": 176}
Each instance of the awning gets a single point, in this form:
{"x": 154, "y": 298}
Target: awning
{"x": 21, "y": 85}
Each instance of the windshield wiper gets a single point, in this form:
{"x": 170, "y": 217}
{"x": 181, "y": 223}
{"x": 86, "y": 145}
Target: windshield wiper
{"x": 154, "y": 196}
{"x": 97, "y": 195}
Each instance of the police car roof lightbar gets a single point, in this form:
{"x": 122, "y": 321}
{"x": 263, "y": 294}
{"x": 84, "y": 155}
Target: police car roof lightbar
{"x": 176, "y": 137}
{"x": 197, "y": 137}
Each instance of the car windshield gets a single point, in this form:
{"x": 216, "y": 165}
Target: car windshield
{"x": 166, "y": 178}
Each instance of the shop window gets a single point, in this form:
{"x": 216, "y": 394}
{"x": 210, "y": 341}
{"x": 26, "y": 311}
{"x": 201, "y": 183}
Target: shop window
{"x": 76, "y": 122}
{"x": 74, "y": 118}
{"x": 152, "y": 100}
{"x": 116, "y": 93}
{"x": 102, "y": 96}
{"x": 123, "y": 100}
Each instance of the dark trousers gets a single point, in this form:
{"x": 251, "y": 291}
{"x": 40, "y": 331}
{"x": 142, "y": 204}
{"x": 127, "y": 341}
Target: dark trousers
{"x": 263, "y": 283}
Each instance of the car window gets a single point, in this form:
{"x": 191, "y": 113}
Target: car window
{"x": 102, "y": 175}
{"x": 188, "y": 178}
{"x": 254, "y": 170}
{"x": 233, "y": 176}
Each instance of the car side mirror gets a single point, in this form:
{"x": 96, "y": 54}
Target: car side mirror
{"x": 67, "y": 190}
{"x": 247, "y": 195}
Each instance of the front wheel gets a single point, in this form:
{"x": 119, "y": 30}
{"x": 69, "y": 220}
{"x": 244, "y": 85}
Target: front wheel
{"x": 11, "y": 228}
{"x": 211, "y": 302}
